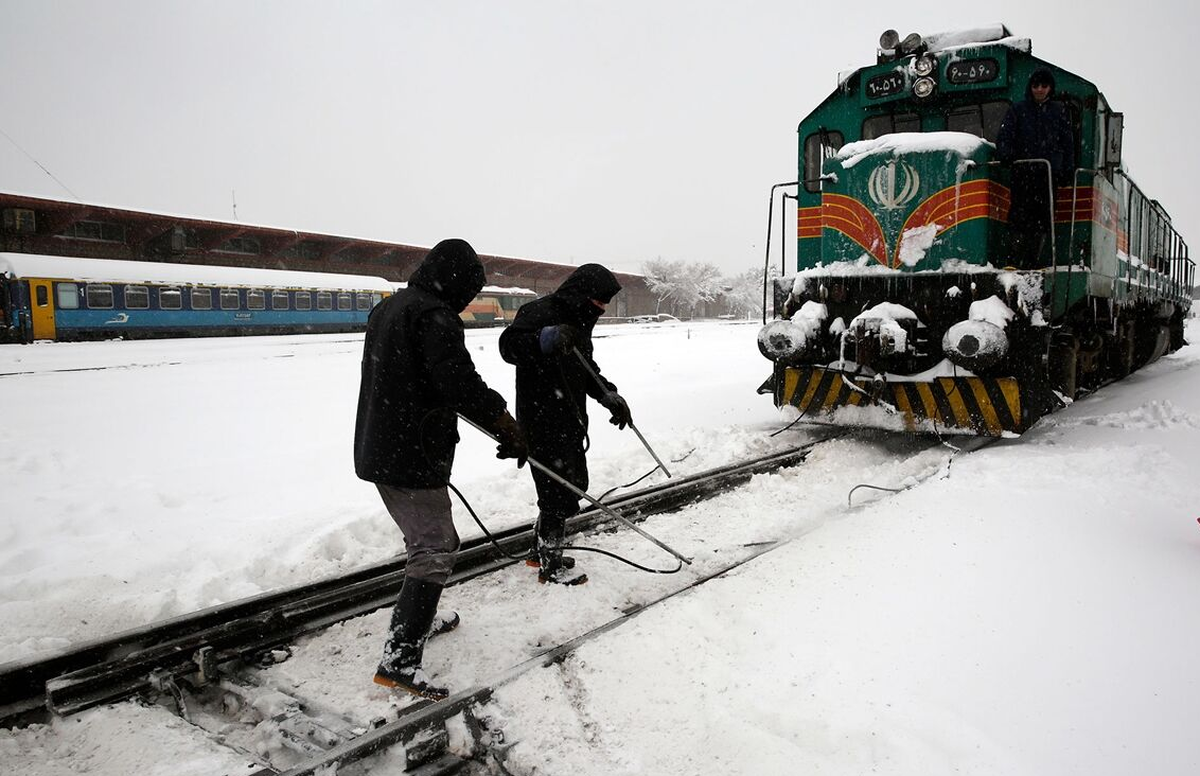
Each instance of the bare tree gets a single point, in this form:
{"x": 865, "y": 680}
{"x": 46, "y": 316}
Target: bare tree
{"x": 742, "y": 295}
{"x": 664, "y": 279}
{"x": 682, "y": 287}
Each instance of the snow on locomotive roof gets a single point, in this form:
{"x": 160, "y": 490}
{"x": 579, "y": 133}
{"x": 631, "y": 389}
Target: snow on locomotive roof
{"x": 996, "y": 34}
{"x": 953, "y": 40}
{"x": 962, "y": 143}
{"x": 118, "y": 271}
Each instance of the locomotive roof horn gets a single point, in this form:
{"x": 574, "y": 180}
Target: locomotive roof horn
{"x": 887, "y": 46}
{"x": 911, "y": 44}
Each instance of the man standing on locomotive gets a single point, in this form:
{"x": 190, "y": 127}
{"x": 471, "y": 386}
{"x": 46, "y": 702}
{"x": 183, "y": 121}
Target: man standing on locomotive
{"x": 1035, "y": 128}
{"x": 416, "y": 374}
{"x": 546, "y": 342}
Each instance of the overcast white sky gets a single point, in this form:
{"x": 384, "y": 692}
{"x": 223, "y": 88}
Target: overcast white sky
{"x": 567, "y": 131}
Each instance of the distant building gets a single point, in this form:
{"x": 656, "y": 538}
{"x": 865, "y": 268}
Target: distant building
{"x": 62, "y": 228}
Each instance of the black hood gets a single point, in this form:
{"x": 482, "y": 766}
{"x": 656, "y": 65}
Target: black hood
{"x": 452, "y": 272}
{"x": 591, "y": 281}
{"x": 1040, "y": 76}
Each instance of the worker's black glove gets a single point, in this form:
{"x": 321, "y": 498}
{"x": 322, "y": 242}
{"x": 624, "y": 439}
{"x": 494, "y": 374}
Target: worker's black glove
{"x": 613, "y": 402}
{"x": 559, "y": 339}
{"x": 511, "y": 437}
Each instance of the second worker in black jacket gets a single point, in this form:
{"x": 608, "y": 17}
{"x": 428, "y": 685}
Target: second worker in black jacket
{"x": 545, "y": 342}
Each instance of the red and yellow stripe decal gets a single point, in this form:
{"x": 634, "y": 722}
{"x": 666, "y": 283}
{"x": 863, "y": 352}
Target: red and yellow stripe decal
{"x": 948, "y": 208}
{"x": 850, "y": 217}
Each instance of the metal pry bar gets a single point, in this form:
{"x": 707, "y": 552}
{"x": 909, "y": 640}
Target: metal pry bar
{"x": 584, "y": 495}
{"x": 603, "y": 387}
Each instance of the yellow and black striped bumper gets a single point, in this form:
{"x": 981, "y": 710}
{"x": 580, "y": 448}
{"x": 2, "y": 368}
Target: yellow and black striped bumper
{"x": 983, "y": 405}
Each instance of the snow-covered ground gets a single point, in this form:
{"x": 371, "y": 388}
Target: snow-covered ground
{"x": 1027, "y": 609}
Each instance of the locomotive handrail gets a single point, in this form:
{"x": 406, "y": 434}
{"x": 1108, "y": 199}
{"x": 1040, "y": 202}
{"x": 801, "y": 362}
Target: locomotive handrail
{"x": 767, "y": 258}
{"x": 1186, "y": 265}
{"x": 1071, "y": 232}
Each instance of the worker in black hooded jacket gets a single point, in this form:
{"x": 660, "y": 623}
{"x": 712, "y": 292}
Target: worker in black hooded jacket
{"x": 1036, "y": 128}
{"x": 416, "y": 374}
{"x": 545, "y": 342}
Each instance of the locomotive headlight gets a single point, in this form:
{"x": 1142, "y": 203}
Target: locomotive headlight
{"x": 923, "y": 87}
{"x": 924, "y": 65}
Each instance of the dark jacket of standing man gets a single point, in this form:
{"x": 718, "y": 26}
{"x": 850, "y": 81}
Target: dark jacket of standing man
{"x": 416, "y": 374}
{"x": 545, "y": 342}
{"x": 1035, "y": 128}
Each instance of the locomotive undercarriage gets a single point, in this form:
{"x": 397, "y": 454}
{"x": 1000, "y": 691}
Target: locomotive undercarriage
{"x": 946, "y": 367}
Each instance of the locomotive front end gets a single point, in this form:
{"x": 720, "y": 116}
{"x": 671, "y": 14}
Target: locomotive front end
{"x": 901, "y": 319}
{"x": 971, "y": 252}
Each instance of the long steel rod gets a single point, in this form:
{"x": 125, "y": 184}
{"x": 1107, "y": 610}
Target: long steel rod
{"x": 603, "y": 387}
{"x": 584, "y": 495}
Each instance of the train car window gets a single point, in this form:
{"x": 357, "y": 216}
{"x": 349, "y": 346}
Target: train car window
{"x": 814, "y": 155}
{"x": 982, "y": 120}
{"x": 170, "y": 299}
{"x": 256, "y": 299}
{"x": 230, "y": 299}
{"x": 303, "y": 300}
{"x": 43, "y": 296}
{"x": 240, "y": 245}
{"x": 95, "y": 230}
{"x": 137, "y": 298}
{"x": 201, "y": 298}
{"x": 324, "y": 300}
{"x": 345, "y": 302}
{"x": 99, "y": 296}
{"x": 279, "y": 300}
{"x": 376, "y": 299}
{"x": 68, "y": 296}
{"x": 878, "y": 126}
{"x": 363, "y": 301}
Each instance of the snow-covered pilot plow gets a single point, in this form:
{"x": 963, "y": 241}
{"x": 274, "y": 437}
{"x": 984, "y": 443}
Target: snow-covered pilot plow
{"x": 909, "y": 305}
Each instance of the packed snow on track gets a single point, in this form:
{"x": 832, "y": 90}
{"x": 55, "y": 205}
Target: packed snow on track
{"x": 1025, "y": 609}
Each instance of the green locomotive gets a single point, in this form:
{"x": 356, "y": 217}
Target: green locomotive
{"x": 906, "y": 309}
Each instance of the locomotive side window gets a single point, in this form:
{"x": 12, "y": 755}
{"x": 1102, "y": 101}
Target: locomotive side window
{"x": 201, "y": 298}
{"x": 982, "y": 120}
{"x": 137, "y": 298}
{"x": 324, "y": 300}
{"x": 878, "y": 126}
{"x": 364, "y": 301}
{"x": 345, "y": 302}
{"x": 279, "y": 300}
{"x": 68, "y": 296}
{"x": 303, "y": 300}
{"x": 170, "y": 299}
{"x": 256, "y": 299}
{"x": 815, "y": 155}
{"x": 230, "y": 300}
{"x": 99, "y": 296}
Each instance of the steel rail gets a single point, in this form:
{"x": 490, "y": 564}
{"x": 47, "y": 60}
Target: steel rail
{"x": 424, "y": 716}
{"x": 193, "y": 646}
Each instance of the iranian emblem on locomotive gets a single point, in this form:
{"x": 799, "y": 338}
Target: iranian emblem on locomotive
{"x": 882, "y": 185}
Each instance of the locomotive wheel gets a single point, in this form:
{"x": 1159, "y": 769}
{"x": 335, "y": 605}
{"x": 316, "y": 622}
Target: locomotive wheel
{"x": 1120, "y": 351}
{"x": 1177, "y": 340}
{"x": 1062, "y": 364}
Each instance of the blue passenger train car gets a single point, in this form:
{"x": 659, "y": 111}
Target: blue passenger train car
{"x": 63, "y": 298}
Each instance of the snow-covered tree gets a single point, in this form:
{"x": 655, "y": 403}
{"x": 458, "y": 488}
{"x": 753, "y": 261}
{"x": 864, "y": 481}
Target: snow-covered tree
{"x": 681, "y": 286}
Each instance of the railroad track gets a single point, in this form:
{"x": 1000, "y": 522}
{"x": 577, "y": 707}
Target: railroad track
{"x": 194, "y": 648}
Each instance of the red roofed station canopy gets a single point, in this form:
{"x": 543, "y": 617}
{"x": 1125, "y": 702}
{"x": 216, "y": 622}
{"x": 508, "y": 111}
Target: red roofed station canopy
{"x": 61, "y": 228}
